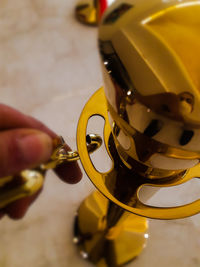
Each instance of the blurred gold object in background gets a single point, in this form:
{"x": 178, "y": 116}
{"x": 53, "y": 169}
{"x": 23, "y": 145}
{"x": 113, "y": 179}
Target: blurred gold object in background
{"x": 87, "y": 12}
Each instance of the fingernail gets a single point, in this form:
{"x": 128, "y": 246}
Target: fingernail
{"x": 35, "y": 148}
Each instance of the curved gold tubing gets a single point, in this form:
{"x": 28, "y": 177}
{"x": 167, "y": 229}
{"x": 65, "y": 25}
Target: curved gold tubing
{"x": 30, "y": 181}
{"x": 105, "y": 182}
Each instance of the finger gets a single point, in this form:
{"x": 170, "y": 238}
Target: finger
{"x": 19, "y": 208}
{"x": 11, "y": 118}
{"x": 22, "y": 149}
{"x": 69, "y": 172}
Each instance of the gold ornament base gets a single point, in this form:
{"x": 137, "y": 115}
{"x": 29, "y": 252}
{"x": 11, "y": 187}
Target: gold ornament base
{"x": 107, "y": 231}
{"x": 107, "y": 235}
{"x": 86, "y": 12}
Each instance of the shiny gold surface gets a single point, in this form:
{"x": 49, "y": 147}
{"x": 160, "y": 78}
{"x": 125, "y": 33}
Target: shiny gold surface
{"x": 150, "y": 62}
{"x": 122, "y": 184}
{"x": 151, "y": 105}
{"x": 28, "y": 182}
{"x": 106, "y": 235}
{"x": 87, "y": 12}
{"x": 61, "y": 155}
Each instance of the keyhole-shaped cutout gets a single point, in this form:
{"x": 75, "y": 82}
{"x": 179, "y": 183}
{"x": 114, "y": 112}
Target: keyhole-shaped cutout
{"x": 100, "y": 157}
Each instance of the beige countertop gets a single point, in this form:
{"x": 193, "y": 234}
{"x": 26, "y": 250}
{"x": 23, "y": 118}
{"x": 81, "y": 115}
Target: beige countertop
{"x": 49, "y": 67}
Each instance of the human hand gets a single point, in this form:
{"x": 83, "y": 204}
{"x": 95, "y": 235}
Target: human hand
{"x": 26, "y": 143}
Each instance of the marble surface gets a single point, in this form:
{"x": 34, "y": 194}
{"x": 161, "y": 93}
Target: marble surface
{"x": 49, "y": 67}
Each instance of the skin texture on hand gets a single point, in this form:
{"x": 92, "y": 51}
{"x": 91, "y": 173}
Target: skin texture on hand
{"x": 25, "y": 143}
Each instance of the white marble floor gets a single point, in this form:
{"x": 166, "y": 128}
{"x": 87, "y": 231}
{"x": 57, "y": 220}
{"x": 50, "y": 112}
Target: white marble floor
{"x": 49, "y": 67}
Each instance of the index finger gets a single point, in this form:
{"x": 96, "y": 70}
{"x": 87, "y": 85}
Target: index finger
{"x": 11, "y": 118}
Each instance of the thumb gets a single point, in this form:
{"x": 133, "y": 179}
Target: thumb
{"x": 22, "y": 149}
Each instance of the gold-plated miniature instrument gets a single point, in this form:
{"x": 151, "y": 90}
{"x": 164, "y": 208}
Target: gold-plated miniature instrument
{"x": 151, "y": 105}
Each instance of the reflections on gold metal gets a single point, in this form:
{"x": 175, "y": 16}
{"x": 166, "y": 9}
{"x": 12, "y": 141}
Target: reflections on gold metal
{"x": 149, "y": 92}
{"x": 156, "y": 47}
{"x": 178, "y": 28}
{"x": 107, "y": 235}
{"x": 61, "y": 155}
{"x": 121, "y": 185}
{"x": 28, "y": 182}
{"x": 150, "y": 61}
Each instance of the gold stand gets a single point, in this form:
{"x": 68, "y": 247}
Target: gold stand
{"x": 106, "y": 234}
{"x": 87, "y": 12}
{"x": 106, "y": 231}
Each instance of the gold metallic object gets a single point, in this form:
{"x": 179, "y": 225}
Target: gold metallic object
{"x": 31, "y": 182}
{"x": 129, "y": 181}
{"x": 151, "y": 106}
{"x": 28, "y": 182}
{"x": 61, "y": 155}
{"x": 152, "y": 95}
{"x": 87, "y": 12}
{"x": 106, "y": 235}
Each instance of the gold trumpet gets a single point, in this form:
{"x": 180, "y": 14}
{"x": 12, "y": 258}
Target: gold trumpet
{"x": 151, "y": 106}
